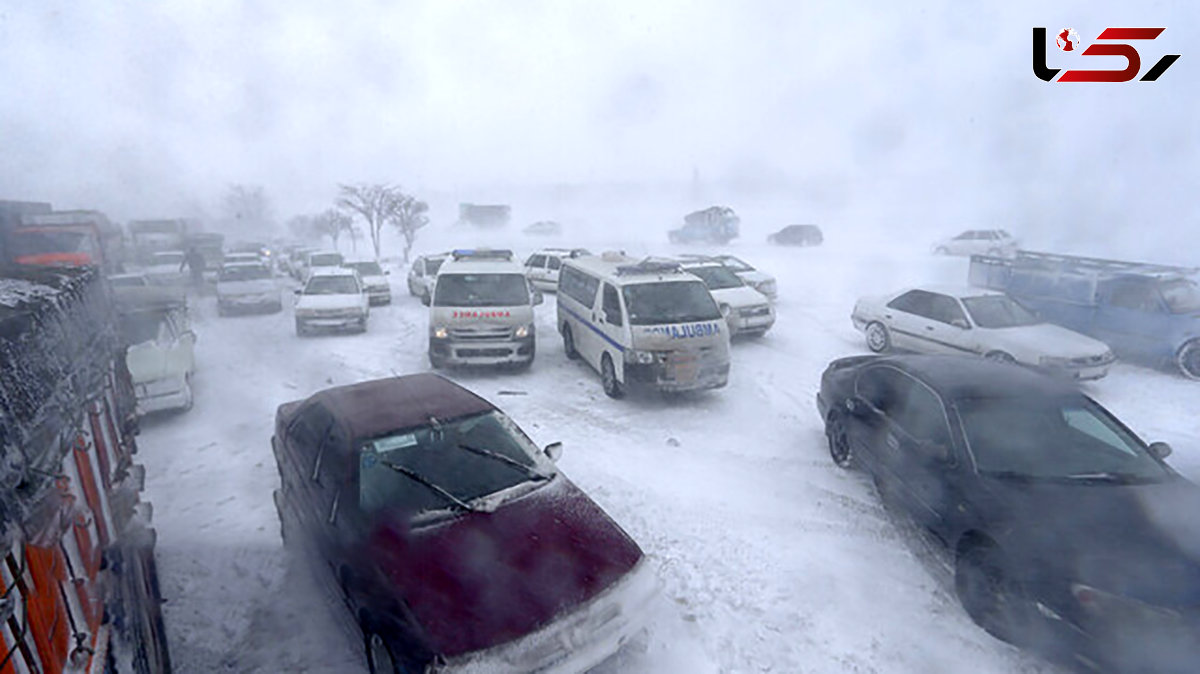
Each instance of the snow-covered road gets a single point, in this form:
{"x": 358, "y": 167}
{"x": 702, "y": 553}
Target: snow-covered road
{"x": 772, "y": 559}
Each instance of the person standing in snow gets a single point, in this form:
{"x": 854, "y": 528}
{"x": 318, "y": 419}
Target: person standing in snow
{"x": 194, "y": 261}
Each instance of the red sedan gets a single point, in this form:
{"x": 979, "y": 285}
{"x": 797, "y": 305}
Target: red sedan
{"x": 455, "y": 542}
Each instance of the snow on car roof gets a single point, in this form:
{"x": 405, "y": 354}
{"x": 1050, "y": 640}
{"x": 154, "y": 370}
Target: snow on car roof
{"x": 332, "y": 271}
{"x": 373, "y": 408}
{"x": 954, "y": 291}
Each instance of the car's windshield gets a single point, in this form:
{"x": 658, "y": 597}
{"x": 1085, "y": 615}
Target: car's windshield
{"x": 248, "y": 272}
{"x": 41, "y": 242}
{"x": 325, "y": 260}
{"x": 717, "y": 277}
{"x": 432, "y": 264}
{"x": 1068, "y": 438}
{"x": 452, "y": 455}
{"x": 669, "y": 302}
{"x": 481, "y": 290}
{"x": 139, "y": 327}
{"x": 1182, "y": 296}
{"x": 998, "y": 311}
{"x": 129, "y": 281}
{"x": 365, "y": 268}
{"x": 168, "y": 258}
{"x": 332, "y": 285}
{"x": 734, "y": 263}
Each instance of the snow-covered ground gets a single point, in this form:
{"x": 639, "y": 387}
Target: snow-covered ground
{"x": 771, "y": 558}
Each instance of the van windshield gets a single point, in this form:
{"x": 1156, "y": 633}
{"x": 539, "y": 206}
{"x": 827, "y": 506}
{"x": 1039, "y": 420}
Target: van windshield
{"x": 670, "y": 302}
{"x": 481, "y": 290}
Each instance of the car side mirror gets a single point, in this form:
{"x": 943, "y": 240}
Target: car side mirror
{"x": 859, "y": 406}
{"x": 961, "y": 323}
{"x": 538, "y": 297}
{"x": 554, "y": 451}
{"x": 297, "y": 291}
{"x": 1159, "y": 450}
{"x": 425, "y": 299}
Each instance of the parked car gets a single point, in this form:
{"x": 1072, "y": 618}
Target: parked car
{"x": 422, "y": 273}
{"x": 160, "y": 348}
{"x": 247, "y": 287}
{"x": 542, "y": 267}
{"x": 295, "y": 263}
{"x": 1146, "y": 312}
{"x": 715, "y": 224}
{"x": 166, "y": 269}
{"x": 942, "y": 319}
{"x": 1069, "y": 534}
{"x": 456, "y": 543}
{"x": 978, "y": 242}
{"x": 755, "y": 278}
{"x": 747, "y": 311}
{"x": 797, "y": 235}
{"x": 543, "y": 228}
{"x": 374, "y": 278}
{"x": 333, "y": 298}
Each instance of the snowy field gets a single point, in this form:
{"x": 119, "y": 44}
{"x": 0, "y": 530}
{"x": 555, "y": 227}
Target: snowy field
{"x": 771, "y": 558}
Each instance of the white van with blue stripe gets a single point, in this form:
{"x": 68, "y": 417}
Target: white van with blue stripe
{"x": 642, "y": 324}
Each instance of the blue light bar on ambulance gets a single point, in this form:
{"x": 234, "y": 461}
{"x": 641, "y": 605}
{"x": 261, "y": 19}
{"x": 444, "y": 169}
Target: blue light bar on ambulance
{"x": 482, "y": 254}
{"x": 649, "y": 266}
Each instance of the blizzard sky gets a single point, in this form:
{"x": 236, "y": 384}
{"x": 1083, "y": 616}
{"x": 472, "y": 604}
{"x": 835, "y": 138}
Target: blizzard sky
{"x": 909, "y": 112}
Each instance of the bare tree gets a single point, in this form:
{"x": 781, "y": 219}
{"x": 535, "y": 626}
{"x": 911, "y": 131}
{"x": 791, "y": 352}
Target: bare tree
{"x": 408, "y": 214}
{"x": 333, "y": 223}
{"x": 247, "y": 207}
{"x": 372, "y": 202}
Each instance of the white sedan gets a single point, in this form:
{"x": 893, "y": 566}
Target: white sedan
{"x": 987, "y": 323}
{"x": 746, "y": 310}
{"x": 996, "y": 242}
{"x": 333, "y": 298}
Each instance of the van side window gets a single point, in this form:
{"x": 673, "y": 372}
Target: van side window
{"x": 537, "y": 261}
{"x": 553, "y": 263}
{"x": 612, "y": 306}
{"x": 579, "y": 286}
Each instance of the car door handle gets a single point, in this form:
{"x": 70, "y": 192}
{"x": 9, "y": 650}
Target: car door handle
{"x": 887, "y": 316}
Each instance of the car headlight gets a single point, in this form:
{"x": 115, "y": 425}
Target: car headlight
{"x": 441, "y": 333}
{"x": 640, "y": 357}
{"x": 523, "y": 331}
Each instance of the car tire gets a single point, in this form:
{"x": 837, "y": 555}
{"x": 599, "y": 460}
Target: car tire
{"x": 1000, "y": 357}
{"x": 608, "y": 378}
{"x": 994, "y": 601}
{"x": 839, "y": 442}
{"x": 301, "y": 330}
{"x": 1187, "y": 359}
{"x": 437, "y": 362}
{"x": 879, "y": 340}
{"x": 569, "y": 343}
{"x": 362, "y": 325}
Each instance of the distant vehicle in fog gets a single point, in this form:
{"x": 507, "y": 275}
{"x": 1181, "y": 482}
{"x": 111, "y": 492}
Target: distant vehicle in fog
{"x": 147, "y": 237}
{"x": 642, "y": 324}
{"x": 374, "y": 279}
{"x": 543, "y": 228}
{"x": 716, "y": 224}
{"x": 797, "y": 235}
{"x": 244, "y": 258}
{"x": 422, "y": 273}
{"x": 542, "y": 267}
{"x": 247, "y": 287}
{"x": 167, "y": 269}
{"x": 318, "y": 259}
{"x": 746, "y": 311}
{"x": 481, "y": 311}
{"x": 1146, "y": 312}
{"x": 938, "y": 319}
{"x": 453, "y": 540}
{"x": 1069, "y": 534}
{"x": 484, "y": 215}
{"x": 755, "y": 278}
{"x": 978, "y": 242}
{"x": 333, "y": 298}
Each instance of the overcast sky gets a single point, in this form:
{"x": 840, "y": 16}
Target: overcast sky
{"x": 143, "y": 107}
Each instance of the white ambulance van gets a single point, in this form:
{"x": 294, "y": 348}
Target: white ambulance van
{"x": 481, "y": 311}
{"x": 642, "y": 324}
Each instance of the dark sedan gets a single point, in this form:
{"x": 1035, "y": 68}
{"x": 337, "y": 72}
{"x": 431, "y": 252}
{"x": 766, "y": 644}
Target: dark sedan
{"x": 455, "y": 542}
{"x": 797, "y": 235}
{"x": 1070, "y": 535}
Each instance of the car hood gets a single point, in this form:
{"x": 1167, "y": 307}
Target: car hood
{"x": 1044, "y": 339}
{"x": 740, "y": 297}
{"x": 1136, "y": 540}
{"x": 329, "y": 301}
{"x": 255, "y": 287}
{"x": 483, "y": 579}
{"x": 150, "y": 361}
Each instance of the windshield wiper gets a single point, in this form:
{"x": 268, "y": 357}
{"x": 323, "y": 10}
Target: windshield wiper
{"x": 1105, "y": 476}
{"x": 508, "y": 461}
{"x": 423, "y": 481}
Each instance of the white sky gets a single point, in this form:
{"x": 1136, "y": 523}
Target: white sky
{"x": 143, "y": 107}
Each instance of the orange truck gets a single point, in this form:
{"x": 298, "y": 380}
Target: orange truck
{"x": 78, "y": 583}
{"x": 63, "y": 238}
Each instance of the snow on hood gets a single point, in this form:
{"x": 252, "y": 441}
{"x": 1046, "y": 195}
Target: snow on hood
{"x": 253, "y": 287}
{"x": 329, "y": 301}
{"x": 484, "y": 579}
{"x": 1048, "y": 340}
{"x": 14, "y": 291}
{"x": 148, "y": 362}
{"x": 740, "y": 297}
{"x": 755, "y": 276}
